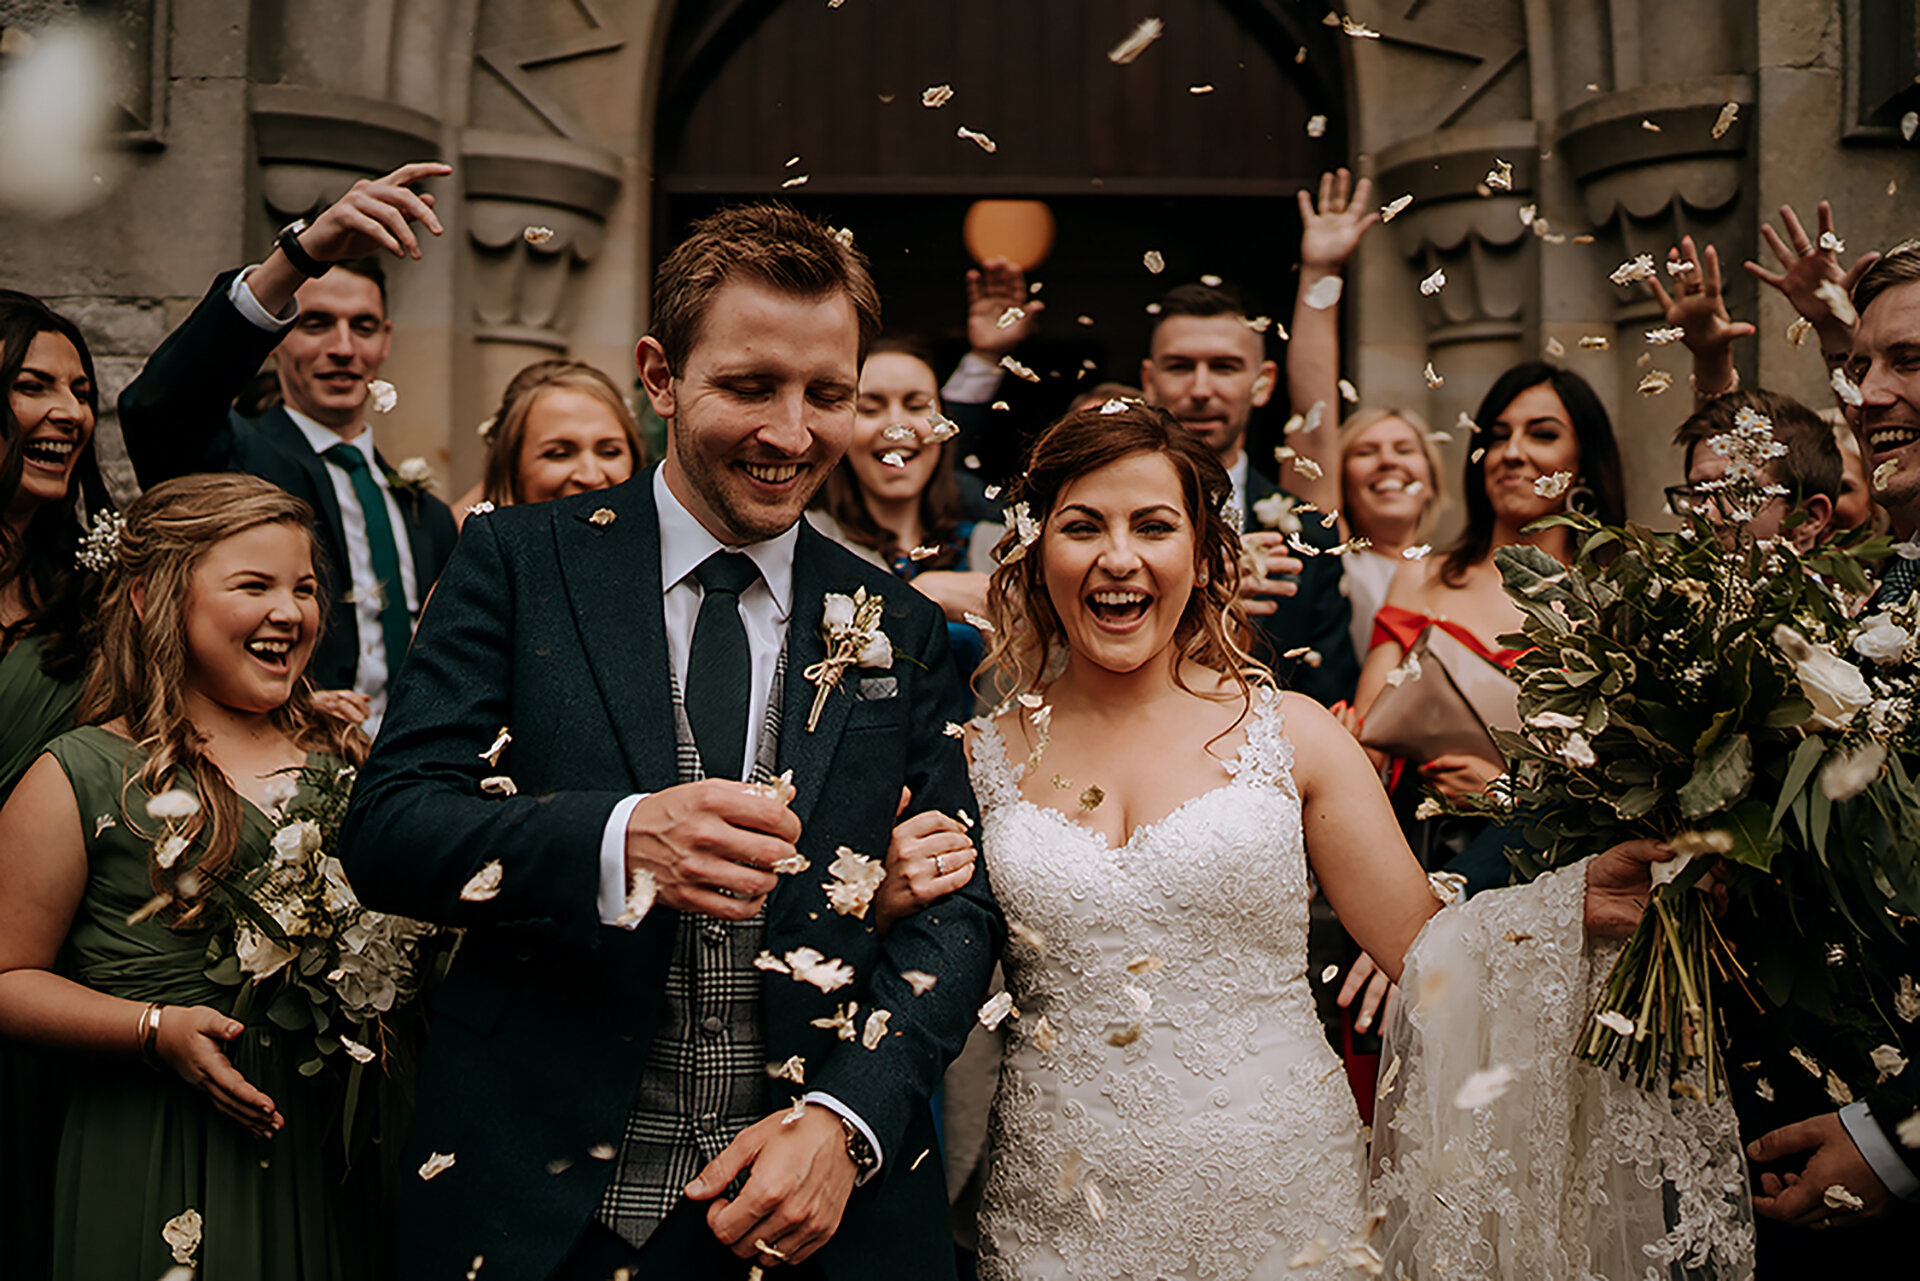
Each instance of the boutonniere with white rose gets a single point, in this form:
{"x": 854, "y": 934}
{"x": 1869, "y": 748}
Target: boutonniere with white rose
{"x": 412, "y": 476}
{"x": 850, "y": 625}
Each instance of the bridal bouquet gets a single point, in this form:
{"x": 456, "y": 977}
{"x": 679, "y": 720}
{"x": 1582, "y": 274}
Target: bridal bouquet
{"x": 339, "y": 981}
{"x": 1700, "y": 687}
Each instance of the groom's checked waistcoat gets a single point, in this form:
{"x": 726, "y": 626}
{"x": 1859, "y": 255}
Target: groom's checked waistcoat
{"x": 549, "y": 621}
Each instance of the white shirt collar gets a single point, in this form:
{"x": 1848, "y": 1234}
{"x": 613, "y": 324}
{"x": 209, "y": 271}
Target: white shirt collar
{"x": 324, "y": 438}
{"x": 1238, "y": 475}
{"x": 685, "y": 542}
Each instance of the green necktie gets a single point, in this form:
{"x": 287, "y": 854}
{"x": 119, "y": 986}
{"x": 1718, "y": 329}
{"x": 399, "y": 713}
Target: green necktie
{"x": 396, "y": 627}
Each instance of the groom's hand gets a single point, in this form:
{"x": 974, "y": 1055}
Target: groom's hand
{"x": 795, "y": 1194}
{"x": 711, "y": 846}
{"x": 1832, "y": 1159}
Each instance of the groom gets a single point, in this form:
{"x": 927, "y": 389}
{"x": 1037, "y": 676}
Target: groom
{"x": 679, "y": 1086}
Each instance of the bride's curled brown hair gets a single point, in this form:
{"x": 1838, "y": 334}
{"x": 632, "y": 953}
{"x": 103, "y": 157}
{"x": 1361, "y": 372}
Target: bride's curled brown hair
{"x": 139, "y": 669}
{"x": 1027, "y": 633}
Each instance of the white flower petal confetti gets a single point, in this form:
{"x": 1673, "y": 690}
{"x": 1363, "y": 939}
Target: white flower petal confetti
{"x": 936, "y": 96}
{"x": 1010, "y": 317}
{"x": 1199, "y": 90}
{"x": 919, "y": 980}
{"x": 492, "y": 755}
{"x": 1614, "y": 1021}
{"x": 484, "y": 884}
{"x": 1554, "y": 485}
{"x": 1888, "y": 1061}
{"x": 1096, "y": 1204}
{"x": 1838, "y": 1198}
{"x": 1649, "y": 126}
{"x": 601, "y": 1151}
{"x": 1153, "y": 261}
{"x": 1763, "y": 1088}
{"x": 1018, "y": 370}
{"x": 809, "y": 966}
{"x": 356, "y": 1051}
{"x": 1595, "y": 342}
{"x": 1662, "y": 337}
{"x": 1358, "y": 30}
{"x": 1832, "y": 243}
{"x": 798, "y": 180}
{"x": 1724, "y": 122}
{"x": 1316, "y": 126}
{"x": 1908, "y": 1131}
{"x": 1830, "y": 293}
{"x": 1325, "y": 293}
{"x": 1909, "y": 124}
{"x": 985, "y": 143}
{"x": 982, "y": 623}
{"x": 1656, "y": 382}
{"x": 1435, "y": 283}
{"x": 436, "y": 1165}
{"x": 641, "y": 891}
{"x": 1045, "y": 1038}
{"x": 794, "y": 1069}
{"x": 1434, "y": 380}
{"x": 168, "y": 849}
{"x": 996, "y": 1011}
{"x": 1027, "y": 935}
{"x": 876, "y": 1029}
{"x": 1392, "y": 210}
{"x": 1799, "y": 331}
{"x": 1483, "y": 1087}
{"x": 498, "y": 785}
{"x": 1136, "y": 42}
{"x": 1849, "y": 773}
{"x": 855, "y": 878}
{"x": 841, "y": 1021}
{"x": 1837, "y": 1090}
{"x": 1906, "y": 1001}
{"x": 173, "y": 804}
{"x": 1500, "y": 177}
{"x": 893, "y": 458}
{"x": 1639, "y": 267}
{"x": 537, "y": 235}
{"x": 382, "y": 396}
{"x": 182, "y": 1235}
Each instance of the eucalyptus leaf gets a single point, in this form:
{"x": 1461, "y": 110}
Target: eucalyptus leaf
{"x": 1800, "y": 767}
{"x": 1754, "y": 840}
{"x": 1721, "y": 778}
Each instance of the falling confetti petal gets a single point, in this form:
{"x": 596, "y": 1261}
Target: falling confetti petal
{"x": 919, "y": 980}
{"x": 1435, "y": 283}
{"x": 1838, "y": 1198}
{"x": 1434, "y": 380}
{"x": 1888, "y": 1062}
{"x": 996, "y": 1011}
{"x": 1198, "y": 90}
{"x": 1844, "y": 388}
{"x": 1556, "y": 348}
{"x": 1799, "y": 331}
{"x": 1909, "y": 124}
{"x": 1349, "y": 393}
{"x": 1018, "y": 370}
{"x": 1153, "y": 261}
{"x": 985, "y": 143}
{"x": 876, "y": 1029}
{"x": 435, "y": 1165}
{"x": 484, "y": 884}
{"x": 1091, "y": 797}
{"x": 492, "y": 755}
{"x": 798, "y": 180}
{"x": 1832, "y": 243}
{"x": 1639, "y": 267}
{"x": 1728, "y": 114}
{"x": 1324, "y": 293}
{"x": 173, "y": 804}
{"x": 1649, "y": 126}
{"x": 1357, "y": 30}
{"x": 1883, "y": 475}
{"x": 498, "y": 785}
{"x": 1391, "y": 211}
{"x": 1554, "y": 485}
{"x": 1656, "y": 382}
{"x": 1500, "y": 177}
{"x": 1595, "y": 342}
{"x": 1316, "y": 126}
{"x": 1483, "y": 1087}
{"x": 1663, "y": 337}
{"x": 1614, "y": 1021}
{"x": 381, "y": 396}
{"x": 537, "y": 235}
{"x": 794, "y": 1069}
{"x": 1830, "y": 293}
{"x": 937, "y": 96}
{"x": 1136, "y": 42}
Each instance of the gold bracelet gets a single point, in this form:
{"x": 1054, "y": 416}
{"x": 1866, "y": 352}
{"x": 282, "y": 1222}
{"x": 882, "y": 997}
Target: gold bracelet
{"x": 150, "y": 1034}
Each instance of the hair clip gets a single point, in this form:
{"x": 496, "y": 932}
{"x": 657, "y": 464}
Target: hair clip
{"x": 99, "y": 549}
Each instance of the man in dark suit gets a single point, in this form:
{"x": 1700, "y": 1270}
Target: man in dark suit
{"x": 318, "y": 304}
{"x": 1207, "y": 365}
{"x": 673, "y": 1040}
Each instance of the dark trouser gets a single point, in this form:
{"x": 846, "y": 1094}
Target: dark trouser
{"x": 683, "y": 1246}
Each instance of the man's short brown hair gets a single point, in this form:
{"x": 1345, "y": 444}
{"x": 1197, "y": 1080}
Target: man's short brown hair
{"x": 1900, "y": 265}
{"x": 1812, "y": 463}
{"x": 774, "y": 244}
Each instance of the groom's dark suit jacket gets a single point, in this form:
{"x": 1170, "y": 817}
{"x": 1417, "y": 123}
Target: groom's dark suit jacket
{"x": 178, "y": 418}
{"x": 1317, "y": 617}
{"x": 549, "y": 622}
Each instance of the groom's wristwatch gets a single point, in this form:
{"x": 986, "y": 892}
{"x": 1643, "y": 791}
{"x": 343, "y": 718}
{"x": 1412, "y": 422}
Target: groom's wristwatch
{"x": 859, "y": 1151}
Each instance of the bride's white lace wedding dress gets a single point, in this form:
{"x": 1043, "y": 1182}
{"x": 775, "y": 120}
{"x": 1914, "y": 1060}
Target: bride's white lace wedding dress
{"x": 1169, "y": 1106}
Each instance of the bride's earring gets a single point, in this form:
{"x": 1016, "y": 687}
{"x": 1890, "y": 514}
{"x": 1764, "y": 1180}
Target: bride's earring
{"x": 1582, "y": 499}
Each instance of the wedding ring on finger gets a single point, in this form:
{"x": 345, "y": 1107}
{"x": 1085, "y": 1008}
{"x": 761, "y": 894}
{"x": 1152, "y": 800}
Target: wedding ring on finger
{"x": 939, "y": 865}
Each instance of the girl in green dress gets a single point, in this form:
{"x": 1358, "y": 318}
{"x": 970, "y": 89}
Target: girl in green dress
{"x": 195, "y": 709}
{"x": 48, "y": 473}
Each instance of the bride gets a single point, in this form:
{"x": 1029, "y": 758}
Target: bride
{"x": 1151, "y": 811}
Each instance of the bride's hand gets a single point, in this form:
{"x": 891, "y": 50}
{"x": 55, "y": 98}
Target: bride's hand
{"x": 190, "y": 1042}
{"x": 1378, "y": 989}
{"x": 930, "y": 856}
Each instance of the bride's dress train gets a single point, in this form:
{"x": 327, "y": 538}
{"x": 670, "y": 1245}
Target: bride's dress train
{"x": 1169, "y": 1106}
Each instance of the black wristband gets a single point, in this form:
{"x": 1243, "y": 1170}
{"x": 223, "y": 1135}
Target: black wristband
{"x": 303, "y": 262}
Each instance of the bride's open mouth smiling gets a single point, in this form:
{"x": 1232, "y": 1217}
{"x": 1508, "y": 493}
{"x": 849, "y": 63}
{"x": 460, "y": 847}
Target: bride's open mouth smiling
{"x": 1119, "y": 609}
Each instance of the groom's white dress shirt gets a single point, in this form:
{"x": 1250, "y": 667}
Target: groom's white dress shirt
{"x": 764, "y": 610}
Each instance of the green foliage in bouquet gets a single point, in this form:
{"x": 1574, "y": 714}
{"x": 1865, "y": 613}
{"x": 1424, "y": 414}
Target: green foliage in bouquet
{"x": 333, "y": 978}
{"x": 1690, "y": 687}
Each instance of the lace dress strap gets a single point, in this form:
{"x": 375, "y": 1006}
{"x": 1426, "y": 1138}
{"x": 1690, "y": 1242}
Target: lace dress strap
{"x": 995, "y": 780}
{"x": 1267, "y": 754}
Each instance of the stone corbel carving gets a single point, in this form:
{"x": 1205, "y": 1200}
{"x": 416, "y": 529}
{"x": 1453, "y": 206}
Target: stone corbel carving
{"x": 1651, "y": 186}
{"x": 315, "y": 143}
{"x": 536, "y": 213}
{"x": 1460, "y": 224}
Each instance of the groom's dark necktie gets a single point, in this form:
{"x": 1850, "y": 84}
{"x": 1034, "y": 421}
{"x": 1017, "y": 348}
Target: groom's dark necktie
{"x": 396, "y": 626}
{"x": 719, "y": 665}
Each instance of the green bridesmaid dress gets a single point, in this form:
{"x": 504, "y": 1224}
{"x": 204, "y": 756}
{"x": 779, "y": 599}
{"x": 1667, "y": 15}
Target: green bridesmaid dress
{"x": 138, "y": 1148}
{"x": 35, "y": 708}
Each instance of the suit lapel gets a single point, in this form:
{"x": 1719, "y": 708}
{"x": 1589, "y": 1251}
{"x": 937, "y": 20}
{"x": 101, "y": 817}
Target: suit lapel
{"x": 288, "y": 438}
{"x": 611, "y": 570}
{"x": 809, "y": 754}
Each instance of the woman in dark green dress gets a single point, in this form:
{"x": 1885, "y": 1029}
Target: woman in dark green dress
{"x": 48, "y": 474}
{"x": 112, "y": 847}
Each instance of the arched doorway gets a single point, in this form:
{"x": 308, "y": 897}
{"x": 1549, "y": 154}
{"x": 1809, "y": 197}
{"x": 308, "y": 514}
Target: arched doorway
{"x": 1193, "y": 150}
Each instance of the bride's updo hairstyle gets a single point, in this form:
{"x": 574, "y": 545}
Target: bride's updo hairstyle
{"x": 1028, "y": 635}
{"x": 139, "y": 670}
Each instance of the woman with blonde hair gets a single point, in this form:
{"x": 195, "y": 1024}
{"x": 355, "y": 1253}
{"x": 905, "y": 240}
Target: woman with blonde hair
{"x": 1392, "y": 496}
{"x": 115, "y": 848}
{"x": 561, "y": 428}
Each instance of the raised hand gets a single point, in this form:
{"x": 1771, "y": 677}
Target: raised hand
{"x": 376, "y": 214}
{"x": 1697, "y": 306}
{"x": 991, "y": 290}
{"x": 191, "y": 1041}
{"x": 711, "y": 846}
{"x": 1331, "y": 230}
{"x": 1805, "y": 265}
